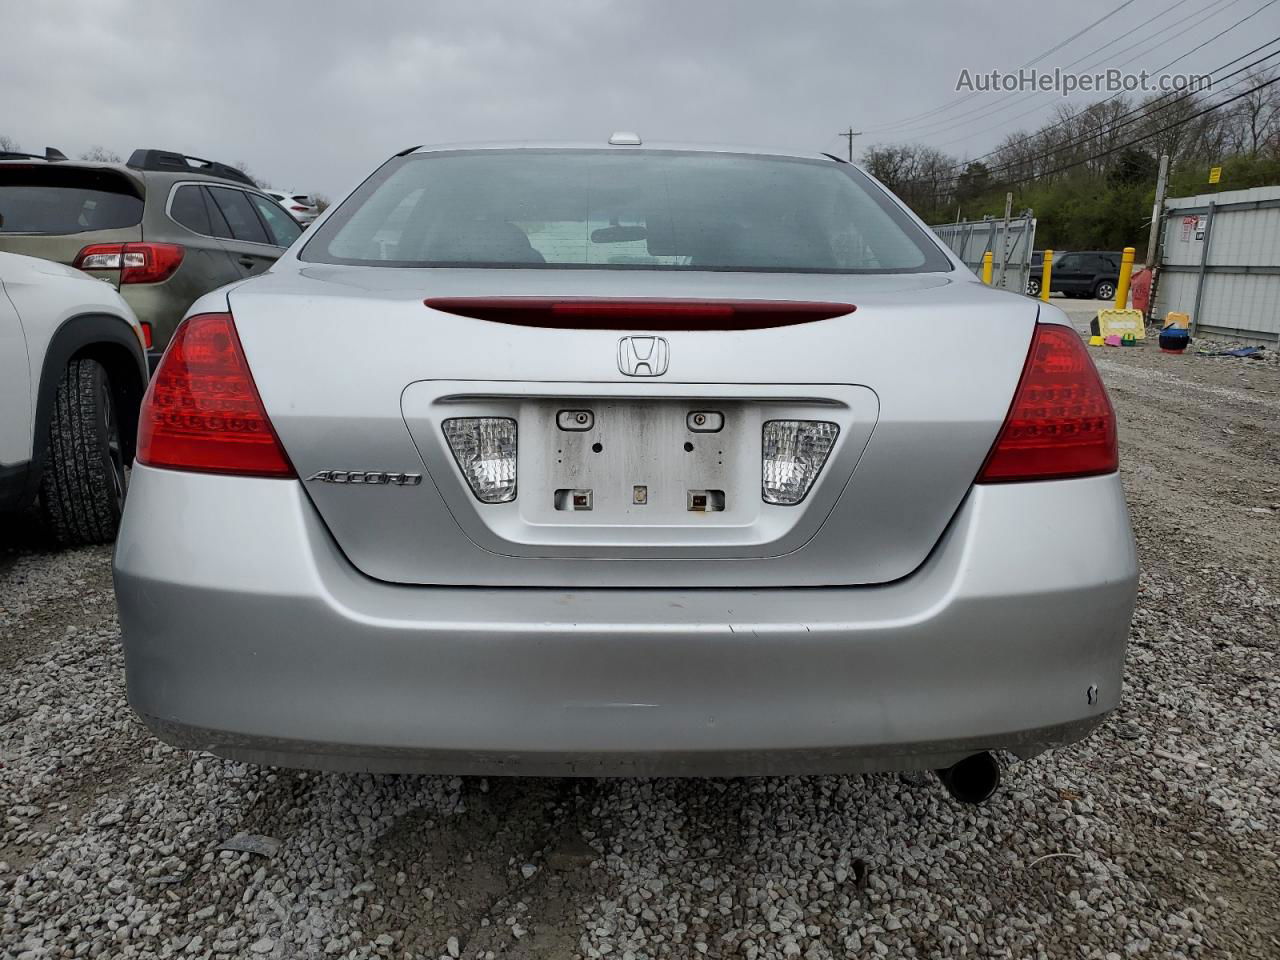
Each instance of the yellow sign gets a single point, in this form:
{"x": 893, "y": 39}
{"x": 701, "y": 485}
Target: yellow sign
{"x": 1215, "y": 174}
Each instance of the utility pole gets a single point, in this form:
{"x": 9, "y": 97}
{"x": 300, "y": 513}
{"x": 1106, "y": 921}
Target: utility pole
{"x": 849, "y": 135}
{"x": 1162, "y": 181}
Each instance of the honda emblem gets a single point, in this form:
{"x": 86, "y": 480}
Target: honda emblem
{"x": 642, "y": 356}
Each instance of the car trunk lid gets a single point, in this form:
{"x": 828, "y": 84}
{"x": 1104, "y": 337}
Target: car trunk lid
{"x": 55, "y": 210}
{"x": 916, "y": 383}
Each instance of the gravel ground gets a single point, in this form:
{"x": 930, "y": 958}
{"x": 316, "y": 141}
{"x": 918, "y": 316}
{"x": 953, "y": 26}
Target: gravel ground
{"x": 1158, "y": 837}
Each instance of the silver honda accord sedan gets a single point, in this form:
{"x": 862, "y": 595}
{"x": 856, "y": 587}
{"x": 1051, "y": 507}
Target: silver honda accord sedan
{"x": 621, "y": 458}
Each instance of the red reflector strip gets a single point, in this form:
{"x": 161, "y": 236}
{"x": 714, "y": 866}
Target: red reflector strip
{"x": 146, "y": 335}
{"x": 651, "y": 313}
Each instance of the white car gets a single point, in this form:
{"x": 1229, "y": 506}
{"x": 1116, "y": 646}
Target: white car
{"x": 72, "y": 373}
{"x": 302, "y": 206}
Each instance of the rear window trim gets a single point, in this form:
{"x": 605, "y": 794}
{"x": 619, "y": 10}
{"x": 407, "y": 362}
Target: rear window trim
{"x": 266, "y": 224}
{"x": 168, "y": 206}
{"x": 253, "y": 210}
{"x": 168, "y": 212}
{"x": 137, "y": 186}
{"x": 896, "y": 210}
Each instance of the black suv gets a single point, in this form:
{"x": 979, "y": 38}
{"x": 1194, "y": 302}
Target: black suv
{"x": 1079, "y": 273}
{"x": 164, "y": 228}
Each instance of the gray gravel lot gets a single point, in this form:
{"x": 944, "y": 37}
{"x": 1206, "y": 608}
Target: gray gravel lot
{"x": 1158, "y": 837}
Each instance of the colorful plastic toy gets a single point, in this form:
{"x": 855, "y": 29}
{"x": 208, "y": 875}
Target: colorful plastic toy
{"x": 1122, "y": 322}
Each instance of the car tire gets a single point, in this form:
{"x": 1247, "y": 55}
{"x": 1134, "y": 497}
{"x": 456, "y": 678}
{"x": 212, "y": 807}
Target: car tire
{"x": 83, "y": 486}
{"x": 1106, "y": 290}
{"x": 1033, "y": 288}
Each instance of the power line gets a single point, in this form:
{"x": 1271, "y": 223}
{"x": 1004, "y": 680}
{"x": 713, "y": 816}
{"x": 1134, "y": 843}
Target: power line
{"x": 1216, "y": 36}
{"x": 1144, "y": 110}
{"x": 1106, "y": 153}
{"x": 1075, "y": 36}
{"x": 1141, "y": 108}
{"x": 1200, "y": 46}
{"x": 1198, "y": 15}
{"x": 1146, "y": 114}
{"x": 1123, "y": 146}
{"x": 1121, "y": 36}
{"x": 1143, "y": 114}
{"x": 1037, "y": 107}
{"x": 1034, "y": 60}
{"x": 988, "y": 107}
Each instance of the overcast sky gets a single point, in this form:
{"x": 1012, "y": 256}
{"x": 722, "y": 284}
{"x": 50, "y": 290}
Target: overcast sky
{"x": 312, "y": 96}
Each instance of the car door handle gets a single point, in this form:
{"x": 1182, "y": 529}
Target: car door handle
{"x": 249, "y": 262}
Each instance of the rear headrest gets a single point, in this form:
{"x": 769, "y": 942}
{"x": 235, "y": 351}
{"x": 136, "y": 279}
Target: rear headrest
{"x": 483, "y": 240}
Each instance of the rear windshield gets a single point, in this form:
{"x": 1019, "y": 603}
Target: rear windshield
{"x": 60, "y": 200}
{"x": 615, "y": 209}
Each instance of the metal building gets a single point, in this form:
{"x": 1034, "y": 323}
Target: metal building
{"x": 1220, "y": 263}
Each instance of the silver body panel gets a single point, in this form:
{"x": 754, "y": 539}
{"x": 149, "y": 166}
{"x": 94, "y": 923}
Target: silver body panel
{"x": 934, "y": 360}
{"x": 899, "y": 616}
{"x": 252, "y": 636}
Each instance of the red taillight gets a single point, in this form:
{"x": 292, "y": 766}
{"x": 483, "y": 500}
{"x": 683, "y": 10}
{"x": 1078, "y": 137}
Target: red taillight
{"x": 296, "y": 207}
{"x": 1061, "y": 423}
{"x": 137, "y": 262}
{"x": 202, "y": 411}
{"x": 625, "y": 313}
{"x": 146, "y": 334}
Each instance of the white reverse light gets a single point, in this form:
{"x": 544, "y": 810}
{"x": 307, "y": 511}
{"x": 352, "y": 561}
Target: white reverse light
{"x": 485, "y": 448}
{"x": 794, "y": 454}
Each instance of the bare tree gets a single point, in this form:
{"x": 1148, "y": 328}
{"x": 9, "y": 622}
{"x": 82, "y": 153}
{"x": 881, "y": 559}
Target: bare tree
{"x": 1085, "y": 149}
{"x": 891, "y": 164}
{"x": 935, "y": 179}
{"x": 101, "y": 154}
{"x": 1255, "y": 117}
{"x": 923, "y": 176}
{"x": 9, "y": 145}
{"x": 244, "y": 168}
{"x": 1167, "y": 127}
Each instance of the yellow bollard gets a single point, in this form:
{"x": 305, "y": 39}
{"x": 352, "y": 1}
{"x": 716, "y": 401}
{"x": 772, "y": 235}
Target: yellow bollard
{"x": 1126, "y": 272}
{"x": 986, "y": 268}
{"x": 1046, "y": 275}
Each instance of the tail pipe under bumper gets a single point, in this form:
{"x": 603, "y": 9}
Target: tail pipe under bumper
{"x": 973, "y": 779}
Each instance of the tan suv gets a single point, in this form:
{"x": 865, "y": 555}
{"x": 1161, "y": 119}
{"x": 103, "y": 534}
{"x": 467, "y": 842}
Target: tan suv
{"x": 164, "y": 228}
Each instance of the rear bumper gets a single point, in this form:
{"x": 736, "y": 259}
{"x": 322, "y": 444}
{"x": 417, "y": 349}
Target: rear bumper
{"x": 247, "y": 633}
